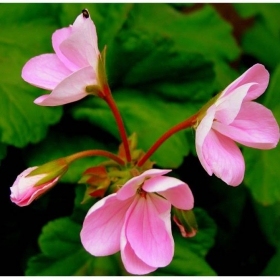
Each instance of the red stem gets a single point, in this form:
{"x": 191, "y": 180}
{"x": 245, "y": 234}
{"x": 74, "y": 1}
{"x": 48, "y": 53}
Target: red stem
{"x": 183, "y": 125}
{"x": 111, "y": 102}
{"x": 90, "y": 153}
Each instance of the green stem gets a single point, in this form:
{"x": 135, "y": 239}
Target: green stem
{"x": 111, "y": 102}
{"x": 90, "y": 153}
{"x": 183, "y": 125}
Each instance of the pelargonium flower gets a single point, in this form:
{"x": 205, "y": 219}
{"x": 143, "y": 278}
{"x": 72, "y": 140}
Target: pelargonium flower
{"x": 235, "y": 117}
{"x": 25, "y": 190}
{"x": 71, "y": 69}
{"x": 136, "y": 221}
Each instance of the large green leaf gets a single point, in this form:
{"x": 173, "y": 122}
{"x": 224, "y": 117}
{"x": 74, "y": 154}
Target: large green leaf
{"x": 21, "y": 120}
{"x": 262, "y": 167}
{"x": 262, "y": 40}
{"x": 273, "y": 268}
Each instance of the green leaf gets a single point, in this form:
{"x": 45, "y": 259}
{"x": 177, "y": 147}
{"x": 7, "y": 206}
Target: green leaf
{"x": 22, "y": 121}
{"x": 58, "y": 145}
{"x": 262, "y": 40}
{"x": 3, "y": 151}
{"x": 147, "y": 29}
{"x": 189, "y": 256}
{"x": 262, "y": 174}
{"x": 63, "y": 255}
{"x": 148, "y": 117}
{"x": 273, "y": 268}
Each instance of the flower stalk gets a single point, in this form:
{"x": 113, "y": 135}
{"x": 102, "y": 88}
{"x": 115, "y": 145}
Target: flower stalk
{"x": 183, "y": 125}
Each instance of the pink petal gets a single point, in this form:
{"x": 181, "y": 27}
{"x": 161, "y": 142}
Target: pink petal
{"x": 201, "y": 133}
{"x": 256, "y": 74}
{"x": 224, "y": 158}
{"x": 229, "y": 106}
{"x": 57, "y": 38}
{"x": 102, "y": 226}
{"x": 132, "y": 263}
{"x": 254, "y": 126}
{"x": 130, "y": 187}
{"x": 149, "y": 232}
{"x": 45, "y": 71}
{"x": 81, "y": 46}
{"x": 70, "y": 89}
{"x": 174, "y": 190}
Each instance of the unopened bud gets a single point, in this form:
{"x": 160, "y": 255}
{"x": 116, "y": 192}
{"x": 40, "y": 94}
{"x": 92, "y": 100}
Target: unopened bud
{"x": 185, "y": 220}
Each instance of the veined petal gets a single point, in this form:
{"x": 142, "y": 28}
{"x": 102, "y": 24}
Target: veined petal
{"x": 148, "y": 234}
{"x": 256, "y": 74}
{"x": 131, "y": 262}
{"x": 102, "y": 226}
{"x": 71, "y": 89}
{"x": 57, "y": 38}
{"x": 129, "y": 189}
{"x": 224, "y": 158}
{"x": 45, "y": 71}
{"x": 201, "y": 132}
{"x": 229, "y": 106}
{"x": 254, "y": 126}
{"x": 81, "y": 46}
{"x": 174, "y": 190}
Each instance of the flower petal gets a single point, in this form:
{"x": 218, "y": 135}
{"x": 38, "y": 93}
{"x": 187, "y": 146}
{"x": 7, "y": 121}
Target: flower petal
{"x": 70, "y": 89}
{"x": 174, "y": 190}
{"x": 45, "y": 71}
{"x": 130, "y": 187}
{"x": 201, "y": 132}
{"x": 224, "y": 158}
{"x": 102, "y": 226}
{"x": 57, "y": 38}
{"x": 149, "y": 232}
{"x": 229, "y": 106}
{"x": 256, "y": 74}
{"x": 254, "y": 126}
{"x": 81, "y": 46}
{"x": 131, "y": 262}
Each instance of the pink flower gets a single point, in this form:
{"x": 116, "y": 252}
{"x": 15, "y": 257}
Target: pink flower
{"x": 71, "y": 69}
{"x": 136, "y": 221}
{"x": 24, "y": 191}
{"x": 235, "y": 117}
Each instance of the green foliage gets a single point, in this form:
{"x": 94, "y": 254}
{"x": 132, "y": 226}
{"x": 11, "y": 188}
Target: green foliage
{"x": 262, "y": 40}
{"x": 21, "y": 121}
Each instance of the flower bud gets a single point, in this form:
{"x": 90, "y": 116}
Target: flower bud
{"x": 34, "y": 181}
{"x": 185, "y": 220}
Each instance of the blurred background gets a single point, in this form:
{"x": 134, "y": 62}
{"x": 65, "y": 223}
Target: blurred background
{"x": 164, "y": 61}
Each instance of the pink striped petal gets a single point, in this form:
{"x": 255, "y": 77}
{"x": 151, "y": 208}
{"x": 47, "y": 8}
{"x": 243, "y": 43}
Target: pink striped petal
{"x": 148, "y": 234}
{"x": 228, "y": 107}
{"x": 81, "y": 46}
{"x": 256, "y": 74}
{"x": 102, "y": 226}
{"x": 57, "y": 38}
{"x": 129, "y": 189}
{"x": 224, "y": 158}
{"x": 45, "y": 71}
{"x": 174, "y": 190}
{"x": 254, "y": 126}
{"x": 70, "y": 89}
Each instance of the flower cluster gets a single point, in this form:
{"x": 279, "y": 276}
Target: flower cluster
{"x": 133, "y": 213}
